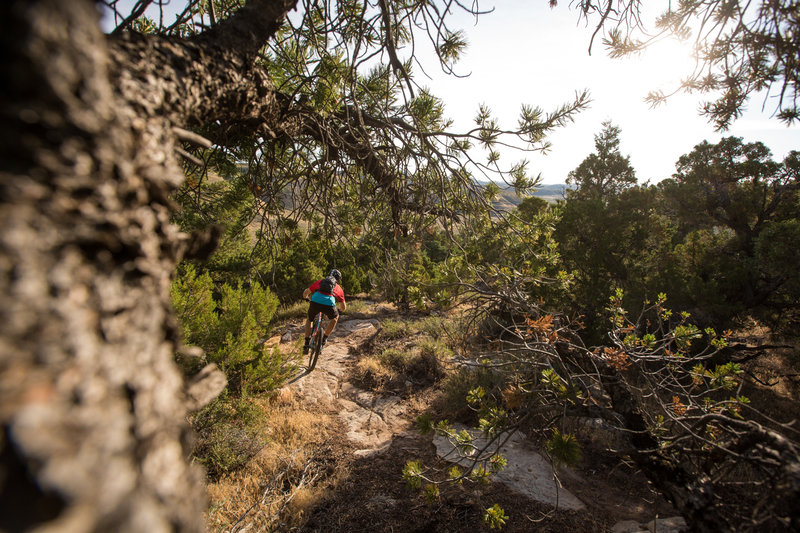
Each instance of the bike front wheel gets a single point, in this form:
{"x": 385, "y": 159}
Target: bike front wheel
{"x": 315, "y": 346}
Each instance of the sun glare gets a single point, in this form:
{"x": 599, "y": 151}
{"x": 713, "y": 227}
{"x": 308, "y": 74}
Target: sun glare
{"x": 669, "y": 61}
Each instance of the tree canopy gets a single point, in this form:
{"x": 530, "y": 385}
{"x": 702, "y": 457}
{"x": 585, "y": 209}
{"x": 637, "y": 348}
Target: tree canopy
{"x": 347, "y": 117}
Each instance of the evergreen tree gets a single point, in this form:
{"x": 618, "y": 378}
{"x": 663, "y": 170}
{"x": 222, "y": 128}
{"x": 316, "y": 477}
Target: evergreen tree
{"x": 736, "y": 210}
{"x": 605, "y": 173}
{"x": 604, "y": 230}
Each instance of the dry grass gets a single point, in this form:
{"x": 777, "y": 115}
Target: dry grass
{"x": 407, "y": 354}
{"x": 374, "y": 374}
{"x": 291, "y": 311}
{"x": 394, "y": 369}
{"x": 278, "y": 487}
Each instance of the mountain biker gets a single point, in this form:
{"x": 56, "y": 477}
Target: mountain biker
{"x": 326, "y": 302}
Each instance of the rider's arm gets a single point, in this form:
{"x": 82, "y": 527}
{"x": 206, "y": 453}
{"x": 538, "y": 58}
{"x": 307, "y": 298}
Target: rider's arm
{"x": 339, "y": 295}
{"x": 306, "y": 293}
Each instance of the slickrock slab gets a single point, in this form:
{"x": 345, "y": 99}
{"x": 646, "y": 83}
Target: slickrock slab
{"x": 364, "y": 427}
{"x": 527, "y": 471}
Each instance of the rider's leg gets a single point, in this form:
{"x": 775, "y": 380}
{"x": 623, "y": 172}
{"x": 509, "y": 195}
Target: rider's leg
{"x": 331, "y": 324}
{"x": 306, "y": 337}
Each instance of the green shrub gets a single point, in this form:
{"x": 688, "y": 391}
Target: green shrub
{"x": 193, "y": 301}
{"x": 495, "y": 517}
{"x": 395, "y": 329}
{"x": 395, "y": 359}
{"x": 564, "y": 449}
{"x": 236, "y": 303}
{"x": 393, "y": 367}
{"x": 435, "y": 349}
{"x": 373, "y": 374}
{"x": 357, "y": 306}
{"x": 418, "y": 364}
{"x": 268, "y": 371}
{"x": 229, "y": 327}
{"x": 437, "y": 327}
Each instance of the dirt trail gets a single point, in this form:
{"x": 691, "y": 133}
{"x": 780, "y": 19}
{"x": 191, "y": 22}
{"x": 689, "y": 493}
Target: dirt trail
{"x": 371, "y": 420}
{"x": 375, "y": 424}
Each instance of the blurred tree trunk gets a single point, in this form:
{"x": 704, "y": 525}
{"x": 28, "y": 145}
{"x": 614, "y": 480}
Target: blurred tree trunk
{"x": 92, "y": 406}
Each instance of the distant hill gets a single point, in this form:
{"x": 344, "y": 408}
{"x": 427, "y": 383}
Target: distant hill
{"x": 551, "y": 192}
{"x": 508, "y": 199}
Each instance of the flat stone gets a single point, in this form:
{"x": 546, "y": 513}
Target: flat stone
{"x": 527, "y": 471}
{"x": 370, "y": 452}
{"x": 331, "y": 360}
{"x": 363, "y": 398}
{"x": 364, "y": 428}
{"x": 272, "y": 341}
{"x": 348, "y": 390}
{"x": 393, "y": 411}
{"x": 352, "y": 326}
{"x": 317, "y": 387}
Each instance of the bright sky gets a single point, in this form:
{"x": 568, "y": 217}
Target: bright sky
{"x": 525, "y": 52}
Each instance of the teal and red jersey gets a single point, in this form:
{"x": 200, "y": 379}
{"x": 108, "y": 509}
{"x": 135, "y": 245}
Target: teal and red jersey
{"x": 323, "y": 297}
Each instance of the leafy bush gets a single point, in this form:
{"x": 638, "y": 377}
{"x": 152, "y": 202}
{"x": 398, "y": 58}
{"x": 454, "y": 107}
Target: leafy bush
{"x": 192, "y": 298}
{"x": 357, "y": 306}
{"x": 563, "y": 448}
{"x": 495, "y": 517}
{"x": 437, "y": 327}
{"x": 457, "y": 386}
{"x": 228, "y": 328}
{"x": 393, "y": 367}
{"x": 396, "y": 359}
{"x": 430, "y": 348}
{"x": 419, "y": 364}
{"x": 371, "y": 373}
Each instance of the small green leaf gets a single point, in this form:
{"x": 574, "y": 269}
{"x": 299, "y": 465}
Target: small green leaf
{"x": 564, "y": 448}
{"x": 495, "y": 517}
{"x": 431, "y": 493}
{"x": 497, "y": 463}
{"x": 455, "y": 472}
{"x": 412, "y": 474}
{"x": 475, "y": 396}
{"x": 424, "y": 423}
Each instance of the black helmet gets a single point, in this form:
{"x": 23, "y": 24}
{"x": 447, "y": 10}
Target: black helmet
{"x": 336, "y": 274}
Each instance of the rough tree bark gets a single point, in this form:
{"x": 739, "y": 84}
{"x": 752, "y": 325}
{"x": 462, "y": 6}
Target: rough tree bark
{"x": 92, "y": 406}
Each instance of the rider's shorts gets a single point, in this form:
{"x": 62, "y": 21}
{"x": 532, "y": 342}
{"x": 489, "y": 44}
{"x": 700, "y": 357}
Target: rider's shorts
{"x": 329, "y": 311}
